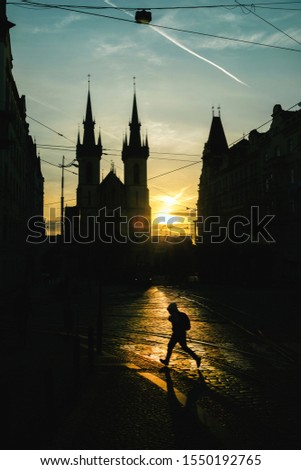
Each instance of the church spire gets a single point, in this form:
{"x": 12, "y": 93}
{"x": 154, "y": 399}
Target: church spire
{"x": 135, "y": 139}
{"x": 133, "y": 148}
{"x": 89, "y": 123}
{"x": 89, "y": 146}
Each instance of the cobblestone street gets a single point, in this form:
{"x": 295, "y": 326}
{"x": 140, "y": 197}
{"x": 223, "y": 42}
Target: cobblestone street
{"x": 244, "y": 396}
{"x": 245, "y": 380}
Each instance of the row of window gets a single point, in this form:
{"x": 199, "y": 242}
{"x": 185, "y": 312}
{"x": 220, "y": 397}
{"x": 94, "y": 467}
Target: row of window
{"x": 287, "y": 148}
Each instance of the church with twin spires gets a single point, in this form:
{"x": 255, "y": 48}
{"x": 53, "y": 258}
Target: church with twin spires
{"x": 111, "y": 200}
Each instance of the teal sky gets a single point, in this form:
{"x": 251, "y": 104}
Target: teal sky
{"x": 54, "y": 50}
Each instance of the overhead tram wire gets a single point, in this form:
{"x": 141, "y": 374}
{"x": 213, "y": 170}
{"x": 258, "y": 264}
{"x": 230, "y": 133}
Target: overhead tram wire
{"x": 225, "y": 38}
{"x": 26, "y": 3}
{"x": 57, "y": 202}
{"x": 72, "y": 149}
{"x": 172, "y": 171}
{"x": 49, "y": 128}
{"x": 57, "y": 166}
{"x": 267, "y": 22}
{"x": 166, "y": 153}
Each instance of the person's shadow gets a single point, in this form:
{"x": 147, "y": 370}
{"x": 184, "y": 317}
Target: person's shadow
{"x": 188, "y": 430}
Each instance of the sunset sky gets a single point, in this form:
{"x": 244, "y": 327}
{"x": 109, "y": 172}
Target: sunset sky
{"x": 179, "y": 77}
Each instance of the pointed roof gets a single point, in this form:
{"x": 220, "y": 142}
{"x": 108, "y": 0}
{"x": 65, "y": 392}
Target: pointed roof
{"x": 89, "y": 123}
{"x": 5, "y": 26}
{"x": 135, "y": 139}
{"x": 99, "y": 143}
{"x": 217, "y": 142}
{"x": 88, "y": 148}
{"x": 111, "y": 179}
{"x": 4, "y": 23}
{"x": 133, "y": 147}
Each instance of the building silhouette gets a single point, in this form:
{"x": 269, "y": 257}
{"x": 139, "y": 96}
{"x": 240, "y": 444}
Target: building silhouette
{"x": 249, "y": 201}
{"x": 21, "y": 180}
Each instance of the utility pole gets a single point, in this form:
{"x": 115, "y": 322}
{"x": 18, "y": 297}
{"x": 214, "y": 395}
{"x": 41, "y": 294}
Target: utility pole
{"x": 62, "y": 197}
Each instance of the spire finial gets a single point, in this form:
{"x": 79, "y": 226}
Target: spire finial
{"x": 89, "y": 81}
{"x": 134, "y": 84}
{"x": 212, "y": 111}
{"x": 219, "y": 111}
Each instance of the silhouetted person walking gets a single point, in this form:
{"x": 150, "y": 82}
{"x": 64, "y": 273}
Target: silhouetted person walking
{"x": 180, "y": 324}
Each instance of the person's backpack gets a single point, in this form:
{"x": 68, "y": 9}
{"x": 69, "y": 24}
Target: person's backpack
{"x": 185, "y": 321}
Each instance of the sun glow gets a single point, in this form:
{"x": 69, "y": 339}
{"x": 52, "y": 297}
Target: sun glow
{"x": 168, "y": 205}
{"x": 171, "y": 216}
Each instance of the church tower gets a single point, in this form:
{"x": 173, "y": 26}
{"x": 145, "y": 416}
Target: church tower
{"x": 88, "y": 155}
{"x": 215, "y": 155}
{"x": 134, "y": 155}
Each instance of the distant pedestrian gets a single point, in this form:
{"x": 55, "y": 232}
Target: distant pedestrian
{"x": 180, "y": 324}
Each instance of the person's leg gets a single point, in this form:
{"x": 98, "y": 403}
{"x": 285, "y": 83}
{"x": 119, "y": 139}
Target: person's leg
{"x": 184, "y": 346}
{"x": 172, "y": 342}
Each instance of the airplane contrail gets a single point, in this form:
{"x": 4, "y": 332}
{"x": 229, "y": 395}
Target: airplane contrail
{"x": 181, "y": 46}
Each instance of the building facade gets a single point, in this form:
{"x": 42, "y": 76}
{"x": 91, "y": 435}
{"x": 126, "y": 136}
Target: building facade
{"x": 249, "y": 206}
{"x": 21, "y": 180}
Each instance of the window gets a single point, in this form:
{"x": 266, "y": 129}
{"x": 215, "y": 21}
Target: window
{"x": 89, "y": 173}
{"x": 277, "y": 151}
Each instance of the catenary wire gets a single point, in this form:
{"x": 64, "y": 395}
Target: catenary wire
{"x": 26, "y": 3}
{"x": 44, "y": 125}
{"x": 268, "y": 22}
{"x": 226, "y": 38}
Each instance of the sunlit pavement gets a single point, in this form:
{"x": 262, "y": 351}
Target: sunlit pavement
{"x": 248, "y": 391}
{"x": 246, "y": 394}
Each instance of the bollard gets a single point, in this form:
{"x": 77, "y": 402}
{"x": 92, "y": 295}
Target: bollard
{"x": 91, "y": 346}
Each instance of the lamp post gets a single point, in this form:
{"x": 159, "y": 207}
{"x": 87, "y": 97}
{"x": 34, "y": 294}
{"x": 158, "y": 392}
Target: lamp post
{"x": 63, "y": 166}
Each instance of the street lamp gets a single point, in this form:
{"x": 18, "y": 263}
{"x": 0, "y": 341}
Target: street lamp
{"x": 63, "y": 166}
{"x": 143, "y": 16}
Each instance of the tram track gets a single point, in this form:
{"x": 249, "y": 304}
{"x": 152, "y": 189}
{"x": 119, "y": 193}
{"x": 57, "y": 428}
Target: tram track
{"x": 257, "y": 333}
{"x": 196, "y": 341}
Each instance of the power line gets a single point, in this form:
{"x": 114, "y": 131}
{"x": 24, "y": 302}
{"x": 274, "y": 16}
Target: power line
{"x": 187, "y": 7}
{"x": 173, "y": 159}
{"x": 58, "y": 166}
{"x": 268, "y": 22}
{"x": 226, "y": 38}
{"x": 49, "y": 128}
{"x": 162, "y": 153}
{"x": 172, "y": 171}
{"x": 57, "y": 202}
{"x": 72, "y": 149}
{"x": 170, "y": 195}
